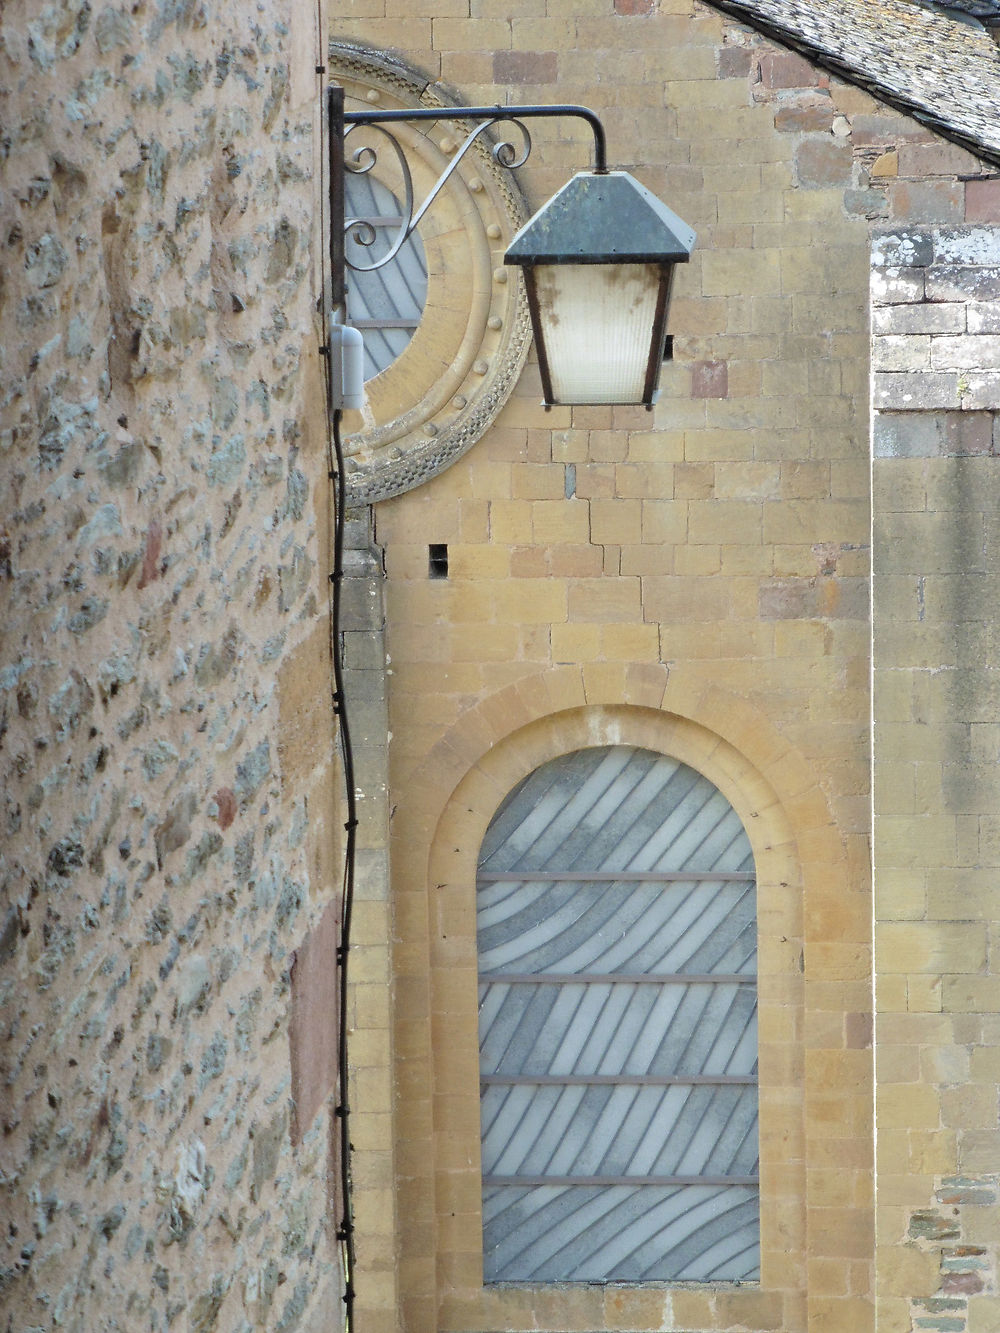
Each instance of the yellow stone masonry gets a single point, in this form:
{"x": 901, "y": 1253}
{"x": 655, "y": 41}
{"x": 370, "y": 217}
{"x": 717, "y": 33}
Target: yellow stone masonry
{"x": 697, "y": 580}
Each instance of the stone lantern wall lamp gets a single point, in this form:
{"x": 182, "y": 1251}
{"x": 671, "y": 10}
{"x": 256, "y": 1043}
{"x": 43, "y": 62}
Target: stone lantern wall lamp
{"x": 598, "y": 258}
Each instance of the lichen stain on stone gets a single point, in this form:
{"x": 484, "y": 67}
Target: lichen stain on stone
{"x": 268, "y": 1140}
{"x": 252, "y": 772}
{"x": 71, "y": 703}
{"x": 45, "y": 261}
{"x": 282, "y": 252}
{"x": 215, "y": 661}
{"x": 175, "y": 829}
{"x": 294, "y": 579}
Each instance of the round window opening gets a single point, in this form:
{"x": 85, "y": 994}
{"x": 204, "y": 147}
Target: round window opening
{"x": 445, "y": 324}
{"x": 385, "y": 303}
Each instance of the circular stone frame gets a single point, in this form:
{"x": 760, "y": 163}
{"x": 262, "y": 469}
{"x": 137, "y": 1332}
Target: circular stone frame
{"x": 443, "y": 392}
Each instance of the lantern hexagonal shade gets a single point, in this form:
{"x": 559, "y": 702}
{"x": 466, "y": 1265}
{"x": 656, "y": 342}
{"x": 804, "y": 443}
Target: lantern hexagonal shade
{"x": 598, "y": 262}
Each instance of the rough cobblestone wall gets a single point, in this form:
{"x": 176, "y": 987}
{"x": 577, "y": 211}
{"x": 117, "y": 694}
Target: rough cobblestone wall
{"x": 165, "y": 736}
{"x": 950, "y": 1254}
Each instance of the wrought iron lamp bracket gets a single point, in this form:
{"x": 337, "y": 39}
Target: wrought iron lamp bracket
{"x": 505, "y": 153}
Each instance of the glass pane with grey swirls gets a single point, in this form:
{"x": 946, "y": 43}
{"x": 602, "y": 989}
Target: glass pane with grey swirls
{"x": 615, "y": 808}
{"x": 548, "y": 1131}
{"x": 647, "y": 1233}
{"x": 607, "y": 1028}
{"x": 534, "y": 925}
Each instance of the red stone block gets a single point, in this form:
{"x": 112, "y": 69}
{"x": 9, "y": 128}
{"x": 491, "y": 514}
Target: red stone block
{"x": 782, "y": 69}
{"x": 965, "y": 1284}
{"x": 733, "y": 61}
{"x": 312, "y": 1034}
{"x": 802, "y": 116}
{"x": 709, "y": 379}
{"x": 982, "y": 200}
{"x": 823, "y": 161}
{"x": 524, "y": 67}
{"x": 151, "y": 554}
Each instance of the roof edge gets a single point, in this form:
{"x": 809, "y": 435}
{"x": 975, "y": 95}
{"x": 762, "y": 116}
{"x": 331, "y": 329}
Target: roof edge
{"x": 742, "y": 11}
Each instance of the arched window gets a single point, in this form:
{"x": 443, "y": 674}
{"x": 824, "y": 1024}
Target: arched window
{"x": 616, "y": 918}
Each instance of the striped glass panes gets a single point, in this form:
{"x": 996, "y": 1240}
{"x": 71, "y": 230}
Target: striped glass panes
{"x": 386, "y": 304}
{"x": 618, "y": 1042}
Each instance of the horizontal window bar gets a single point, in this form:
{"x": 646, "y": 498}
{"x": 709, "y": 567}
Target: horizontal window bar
{"x": 615, "y": 1080}
{"x": 393, "y": 323}
{"x": 630, "y": 978}
{"x": 612, "y": 876}
{"x": 620, "y": 1180}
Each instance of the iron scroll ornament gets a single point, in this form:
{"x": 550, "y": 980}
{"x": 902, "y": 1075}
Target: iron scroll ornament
{"x": 363, "y": 159}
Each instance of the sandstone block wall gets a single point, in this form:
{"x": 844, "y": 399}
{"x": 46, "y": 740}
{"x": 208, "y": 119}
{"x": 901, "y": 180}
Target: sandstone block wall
{"x": 707, "y": 567}
{"x": 170, "y": 826}
{"x": 935, "y": 719}
{"x": 708, "y": 562}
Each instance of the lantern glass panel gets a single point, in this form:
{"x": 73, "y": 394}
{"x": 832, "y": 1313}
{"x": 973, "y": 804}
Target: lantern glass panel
{"x": 597, "y": 321}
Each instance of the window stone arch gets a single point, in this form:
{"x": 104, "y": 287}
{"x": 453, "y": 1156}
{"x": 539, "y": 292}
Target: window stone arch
{"x": 437, "y": 837}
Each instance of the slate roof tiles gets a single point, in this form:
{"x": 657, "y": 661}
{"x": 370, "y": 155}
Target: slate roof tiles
{"x": 937, "y": 60}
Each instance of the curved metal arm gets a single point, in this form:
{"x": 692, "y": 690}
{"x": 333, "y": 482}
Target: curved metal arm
{"x": 490, "y": 115}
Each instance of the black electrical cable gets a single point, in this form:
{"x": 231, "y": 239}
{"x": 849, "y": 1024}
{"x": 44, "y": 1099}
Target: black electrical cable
{"x": 345, "y": 1232}
{"x": 335, "y": 473}
{"x": 345, "y": 1228}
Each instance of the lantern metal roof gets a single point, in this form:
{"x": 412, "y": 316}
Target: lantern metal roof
{"x": 603, "y": 218}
